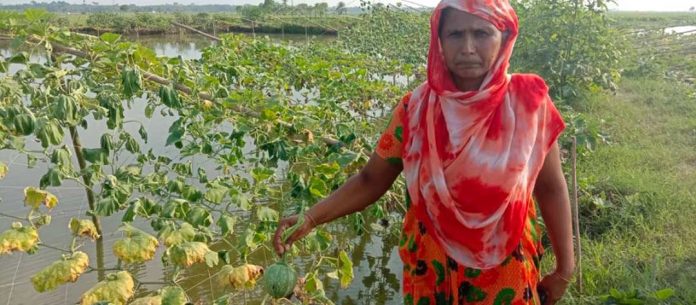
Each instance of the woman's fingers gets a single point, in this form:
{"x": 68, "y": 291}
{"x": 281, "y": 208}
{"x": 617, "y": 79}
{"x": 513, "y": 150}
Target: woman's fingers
{"x": 278, "y": 242}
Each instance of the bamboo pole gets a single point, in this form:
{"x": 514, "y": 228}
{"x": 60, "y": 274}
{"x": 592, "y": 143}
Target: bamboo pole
{"x": 576, "y": 212}
{"x": 195, "y": 30}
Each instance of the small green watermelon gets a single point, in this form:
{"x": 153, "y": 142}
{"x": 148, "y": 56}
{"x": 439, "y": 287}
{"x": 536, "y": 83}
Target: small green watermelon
{"x": 279, "y": 280}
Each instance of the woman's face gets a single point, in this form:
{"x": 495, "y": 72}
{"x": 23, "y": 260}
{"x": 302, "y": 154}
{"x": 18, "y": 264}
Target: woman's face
{"x": 470, "y": 45}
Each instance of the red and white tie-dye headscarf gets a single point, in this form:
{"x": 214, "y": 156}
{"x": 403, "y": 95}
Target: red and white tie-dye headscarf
{"x": 474, "y": 202}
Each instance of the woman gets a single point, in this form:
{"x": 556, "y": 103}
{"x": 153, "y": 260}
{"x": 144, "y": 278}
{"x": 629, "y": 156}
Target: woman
{"x": 475, "y": 145}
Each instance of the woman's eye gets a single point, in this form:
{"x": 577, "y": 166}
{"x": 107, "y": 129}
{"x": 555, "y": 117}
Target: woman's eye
{"x": 482, "y": 34}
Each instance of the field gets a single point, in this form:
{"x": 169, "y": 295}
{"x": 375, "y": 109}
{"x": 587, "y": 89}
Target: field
{"x": 177, "y": 169}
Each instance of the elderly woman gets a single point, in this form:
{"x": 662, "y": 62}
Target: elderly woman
{"x": 476, "y": 144}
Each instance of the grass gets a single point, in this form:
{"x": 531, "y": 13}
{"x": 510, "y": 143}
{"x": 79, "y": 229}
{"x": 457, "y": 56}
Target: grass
{"x": 649, "y": 238}
{"x": 650, "y": 20}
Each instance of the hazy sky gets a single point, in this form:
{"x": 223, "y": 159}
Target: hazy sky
{"x": 628, "y": 5}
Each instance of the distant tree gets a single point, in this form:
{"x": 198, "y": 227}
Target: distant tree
{"x": 123, "y": 8}
{"x": 693, "y": 8}
{"x": 251, "y": 12}
{"x": 268, "y": 5}
{"x": 341, "y": 8}
{"x": 321, "y": 8}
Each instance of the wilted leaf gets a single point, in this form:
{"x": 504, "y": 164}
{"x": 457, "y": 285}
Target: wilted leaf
{"x": 68, "y": 269}
{"x": 19, "y": 238}
{"x": 172, "y": 237}
{"x": 149, "y": 300}
{"x": 199, "y": 216}
{"x": 83, "y": 227}
{"x": 189, "y": 253}
{"x": 267, "y": 214}
{"x": 96, "y": 155}
{"x": 173, "y": 295}
{"x": 244, "y": 276}
{"x": 216, "y": 194}
{"x": 226, "y": 224}
{"x": 34, "y": 197}
{"x": 136, "y": 247}
{"x": 117, "y": 288}
{"x": 3, "y": 170}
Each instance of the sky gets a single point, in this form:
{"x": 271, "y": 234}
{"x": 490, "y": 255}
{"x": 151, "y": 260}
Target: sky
{"x": 624, "y": 5}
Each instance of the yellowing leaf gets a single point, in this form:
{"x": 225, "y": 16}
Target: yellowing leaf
{"x": 51, "y": 200}
{"x": 346, "y": 269}
{"x": 171, "y": 295}
{"x": 244, "y": 276}
{"x": 3, "y": 170}
{"x": 60, "y": 272}
{"x": 83, "y": 227}
{"x": 117, "y": 288}
{"x": 189, "y": 253}
{"x": 136, "y": 247}
{"x": 19, "y": 239}
{"x": 34, "y": 197}
{"x": 173, "y": 237}
{"x": 151, "y": 300}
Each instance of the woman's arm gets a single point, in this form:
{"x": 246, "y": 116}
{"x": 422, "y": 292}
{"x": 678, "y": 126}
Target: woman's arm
{"x": 356, "y": 194}
{"x": 551, "y": 193}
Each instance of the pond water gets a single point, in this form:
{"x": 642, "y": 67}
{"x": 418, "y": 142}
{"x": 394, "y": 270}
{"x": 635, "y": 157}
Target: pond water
{"x": 687, "y": 30}
{"x": 377, "y": 267}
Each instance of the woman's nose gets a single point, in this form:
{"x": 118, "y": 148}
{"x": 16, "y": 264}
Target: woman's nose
{"x": 468, "y": 45}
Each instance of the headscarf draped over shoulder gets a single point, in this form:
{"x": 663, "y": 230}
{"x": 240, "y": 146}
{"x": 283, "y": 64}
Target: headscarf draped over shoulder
{"x": 474, "y": 198}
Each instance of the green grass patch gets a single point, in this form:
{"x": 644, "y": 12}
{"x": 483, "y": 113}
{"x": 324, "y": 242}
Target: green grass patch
{"x": 644, "y": 236}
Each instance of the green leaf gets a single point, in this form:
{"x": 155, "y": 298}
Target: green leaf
{"x": 106, "y": 142}
{"x": 25, "y": 123}
{"x": 19, "y": 58}
{"x": 345, "y": 269}
{"x": 65, "y": 108}
{"x": 226, "y": 224}
{"x": 261, "y": 174}
{"x": 110, "y": 37}
{"x": 169, "y": 97}
{"x": 96, "y": 155}
{"x": 62, "y": 158}
{"x": 242, "y": 201}
{"x": 106, "y": 206}
{"x": 49, "y": 133}
{"x": 199, "y": 216}
{"x": 664, "y": 294}
{"x": 216, "y": 194}
{"x": 176, "y": 132}
{"x": 130, "y": 80}
{"x": 328, "y": 169}
{"x": 143, "y": 133}
{"x": 51, "y": 178}
{"x": 267, "y": 214}
{"x": 318, "y": 187}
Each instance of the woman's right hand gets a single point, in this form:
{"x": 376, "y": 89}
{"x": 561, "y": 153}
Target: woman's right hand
{"x": 280, "y": 245}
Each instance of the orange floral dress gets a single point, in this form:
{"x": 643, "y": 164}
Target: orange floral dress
{"x": 430, "y": 277}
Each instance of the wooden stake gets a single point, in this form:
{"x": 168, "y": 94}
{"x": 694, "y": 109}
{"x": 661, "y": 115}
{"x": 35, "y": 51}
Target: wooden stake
{"x": 576, "y": 212}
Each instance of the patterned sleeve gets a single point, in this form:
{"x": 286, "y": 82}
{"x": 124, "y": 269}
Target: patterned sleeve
{"x": 389, "y": 146}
